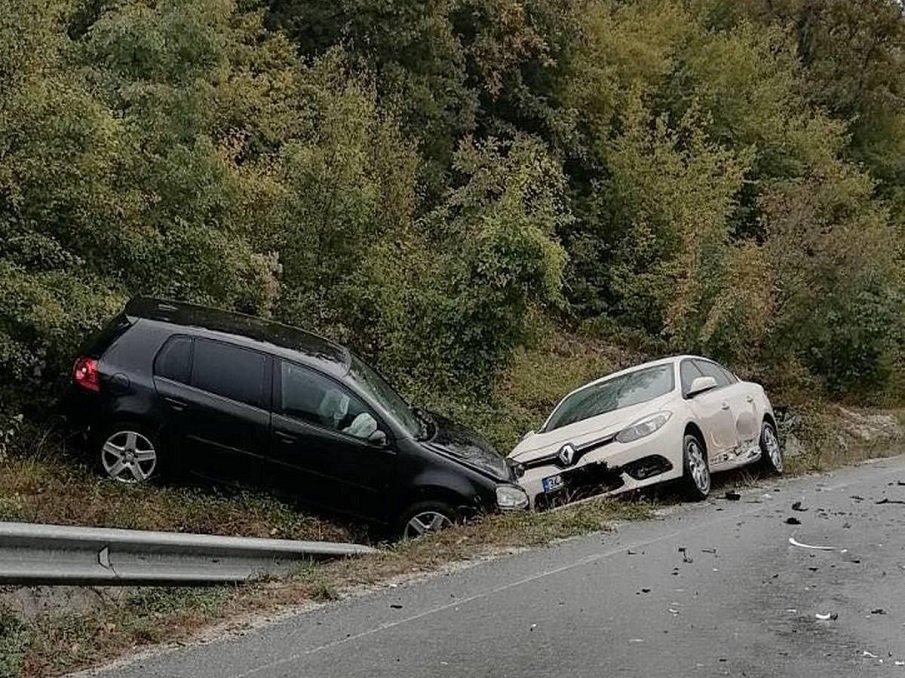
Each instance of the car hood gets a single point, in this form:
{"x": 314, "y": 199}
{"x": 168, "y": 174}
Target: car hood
{"x": 468, "y": 447}
{"x": 539, "y": 445}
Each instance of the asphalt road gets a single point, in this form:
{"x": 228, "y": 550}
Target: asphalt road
{"x": 713, "y": 589}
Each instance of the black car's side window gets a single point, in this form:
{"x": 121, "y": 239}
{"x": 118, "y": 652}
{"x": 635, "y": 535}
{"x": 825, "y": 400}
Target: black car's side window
{"x": 316, "y": 399}
{"x": 229, "y": 371}
{"x": 713, "y": 370}
{"x": 688, "y": 373}
{"x": 174, "y": 361}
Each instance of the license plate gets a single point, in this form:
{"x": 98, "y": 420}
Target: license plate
{"x": 552, "y": 483}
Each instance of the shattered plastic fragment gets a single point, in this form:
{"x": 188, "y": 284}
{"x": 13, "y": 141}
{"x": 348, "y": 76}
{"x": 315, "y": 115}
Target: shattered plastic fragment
{"x": 827, "y": 616}
{"x": 794, "y": 542}
{"x": 792, "y": 520}
{"x": 798, "y": 507}
{"x": 733, "y": 496}
{"x": 871, "y": 655}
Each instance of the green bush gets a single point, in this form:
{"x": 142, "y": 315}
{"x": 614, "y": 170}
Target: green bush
{"x": 432, "y": 184}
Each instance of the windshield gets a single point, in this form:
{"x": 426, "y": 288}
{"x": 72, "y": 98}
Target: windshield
{"x": 375, "y": 386}
{"x": 613, "y": 394}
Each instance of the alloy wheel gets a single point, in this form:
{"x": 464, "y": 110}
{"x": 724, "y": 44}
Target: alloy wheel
{"x": 697, "y": 464}
{"x": 128, "y": 457}
{"x": 424, "y": 522}
{"x": 774, "y": 451}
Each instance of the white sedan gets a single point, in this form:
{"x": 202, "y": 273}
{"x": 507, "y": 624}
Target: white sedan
{"x": 680, "y": 418}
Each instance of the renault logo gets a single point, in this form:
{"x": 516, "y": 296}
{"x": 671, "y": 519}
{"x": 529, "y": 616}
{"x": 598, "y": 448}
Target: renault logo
{"x": 567, "y": 455}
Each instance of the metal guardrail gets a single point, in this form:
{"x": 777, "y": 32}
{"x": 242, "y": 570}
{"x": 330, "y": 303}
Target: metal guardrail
{"x": 54, "y": 554}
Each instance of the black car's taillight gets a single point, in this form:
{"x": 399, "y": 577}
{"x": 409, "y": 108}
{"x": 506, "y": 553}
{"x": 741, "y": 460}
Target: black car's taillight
{"x": 84, "y": 374}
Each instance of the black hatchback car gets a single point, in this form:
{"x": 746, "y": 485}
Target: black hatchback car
{"x": 169, "y": 388}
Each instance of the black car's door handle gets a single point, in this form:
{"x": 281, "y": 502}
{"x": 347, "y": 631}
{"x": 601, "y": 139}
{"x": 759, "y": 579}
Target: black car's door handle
{"x": 176, "y": 404}
{"x": 284, "y": 437}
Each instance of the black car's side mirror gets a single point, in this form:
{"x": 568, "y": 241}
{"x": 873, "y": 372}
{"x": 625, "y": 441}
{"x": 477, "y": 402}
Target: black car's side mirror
{"x": 378, "y": 438}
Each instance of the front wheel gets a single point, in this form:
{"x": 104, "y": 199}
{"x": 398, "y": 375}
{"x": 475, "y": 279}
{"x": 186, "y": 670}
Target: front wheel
{"x": 426, "y": 517}
{"x": 770, "y": 451}
{"x": 696, "y": 479}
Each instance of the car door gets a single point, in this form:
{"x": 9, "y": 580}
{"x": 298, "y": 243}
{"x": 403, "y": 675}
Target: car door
{"x": 745, "y": 409}
{"x": 713, "y": 412}
{"x": 321, "y": 452}
{"x": 219, "y": 414}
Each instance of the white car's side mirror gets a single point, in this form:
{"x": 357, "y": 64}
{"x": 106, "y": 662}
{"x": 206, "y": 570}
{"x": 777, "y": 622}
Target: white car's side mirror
{"x": 527, "y": 435}
{"x": 700, "y": 385}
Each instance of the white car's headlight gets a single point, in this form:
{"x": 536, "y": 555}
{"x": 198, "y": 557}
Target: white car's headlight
{"x": 643, "y": 427}
{"x": 511, "y": 497}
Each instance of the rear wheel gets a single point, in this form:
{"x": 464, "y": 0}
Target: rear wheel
{"x": 770, "y": 451}
{"x": 696, "y": 479}
{"x": 130, "y": 454}
{"x": 426, "y": 517}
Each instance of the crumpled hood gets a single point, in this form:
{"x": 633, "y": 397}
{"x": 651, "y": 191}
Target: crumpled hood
{"x": 539, "y": 445}
{"x": 463, "y": 444}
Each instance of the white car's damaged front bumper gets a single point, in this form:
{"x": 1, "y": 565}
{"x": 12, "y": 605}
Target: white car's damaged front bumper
{"x": 602, "y": 467}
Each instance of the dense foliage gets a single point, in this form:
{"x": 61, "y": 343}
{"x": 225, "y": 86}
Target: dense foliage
{"x": 433, "y": 181}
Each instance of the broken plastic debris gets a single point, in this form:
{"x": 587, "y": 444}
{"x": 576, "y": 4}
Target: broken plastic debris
{"x": 798, "y": 507}
{"x": 879, "y": 610}
{"x": 899, "y": 663}
{"x": 792, "y": 520}
{"x": 827, "y": 616}
{"x": 733, "y": 496}
{"x": 871, "y": 655}
{"x": 636, "y": 640}
{"x": 795, "y": 542}
{"x": 887, "y": 500}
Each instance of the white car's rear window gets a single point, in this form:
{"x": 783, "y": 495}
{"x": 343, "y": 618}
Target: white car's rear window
{"x": 613, "y": 394}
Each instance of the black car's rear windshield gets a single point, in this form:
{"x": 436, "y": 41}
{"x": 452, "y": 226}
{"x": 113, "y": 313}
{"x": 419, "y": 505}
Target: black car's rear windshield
{"x": 613, "y": 394}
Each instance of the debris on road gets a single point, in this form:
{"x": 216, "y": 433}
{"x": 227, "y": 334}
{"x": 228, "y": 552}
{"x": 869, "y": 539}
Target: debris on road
{"x": 795, "y": 542}
{"x": 827, "y": 616}
{"x": 733, "y": 496}
{"x": 685, "y": 558}
{"x": 869, "y": 655}
{"x": 798, "y": 507}
{"x": 887, "y": 500}
{"x": 879, "y": 610}
{"x": 791, "y": 520}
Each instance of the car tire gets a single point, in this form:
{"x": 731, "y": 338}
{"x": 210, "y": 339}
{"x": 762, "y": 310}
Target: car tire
{"x": 129, "y": 453}
{"x": 771, "y": 458}
{"x": 426, "y": 517}
{"x": 696, "y": 470}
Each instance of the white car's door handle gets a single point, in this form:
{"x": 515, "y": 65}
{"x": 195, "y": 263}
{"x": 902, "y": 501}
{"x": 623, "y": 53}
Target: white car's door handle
{"x": 750, "y": 399}
{"x": 725, "y": 406}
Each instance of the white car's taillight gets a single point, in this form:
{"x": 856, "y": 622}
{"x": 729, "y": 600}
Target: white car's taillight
{"x": 643, "y": 427}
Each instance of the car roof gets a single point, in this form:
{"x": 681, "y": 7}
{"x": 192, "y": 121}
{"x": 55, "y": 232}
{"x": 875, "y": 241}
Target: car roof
{"x": 245, "y": 330}
{"x": 634, "y": 368}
